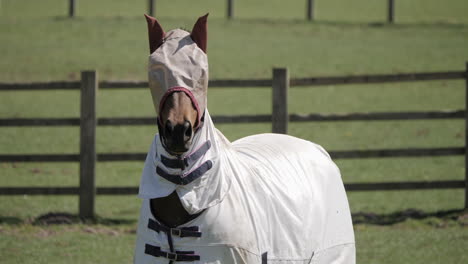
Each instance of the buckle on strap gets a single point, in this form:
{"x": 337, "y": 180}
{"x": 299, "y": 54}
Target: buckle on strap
{"x": 170, "y": 256}
{"x": 177, "y": 256}
{"x": 191, "y": 231}
{"x": 176, "y": 232}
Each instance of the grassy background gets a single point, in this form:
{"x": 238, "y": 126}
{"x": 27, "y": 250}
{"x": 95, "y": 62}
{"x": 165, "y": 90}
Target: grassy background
{"x": 40, "y": 43}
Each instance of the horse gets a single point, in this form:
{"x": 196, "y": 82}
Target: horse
{"x": 265, "y": 198}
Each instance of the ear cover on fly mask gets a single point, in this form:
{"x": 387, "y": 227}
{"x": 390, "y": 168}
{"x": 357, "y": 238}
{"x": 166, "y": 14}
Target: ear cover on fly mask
{"x": 178, "y": 63}
{"x": 155, "y": 33}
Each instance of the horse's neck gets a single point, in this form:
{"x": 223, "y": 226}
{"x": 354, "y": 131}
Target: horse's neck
{"x": 169, "y": 210}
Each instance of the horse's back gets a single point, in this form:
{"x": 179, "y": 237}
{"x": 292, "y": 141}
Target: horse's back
{"x": 303, "y": 194}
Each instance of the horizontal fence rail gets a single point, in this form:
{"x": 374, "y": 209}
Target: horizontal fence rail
{"x": 220, "y": 119}
{"x": 379, "y": 78}
{"x": 279, "y": 118}
{"x": 417, "y": 185}
{"x": 56, "y": 85}
{"x": 71, "y": 157}
{"x": 389, "y": 153}
{"x": 267, "y": 83}
{"x": 342, "y": 154}
{"x": 66, "y": 190}
{"x": 376, "y": 116}
{"x": 75, "y": 85}
{"x": 373, "y": 186}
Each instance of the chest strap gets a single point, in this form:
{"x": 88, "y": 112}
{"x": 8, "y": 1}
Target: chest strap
{"x": 185, "y": 179}
{"x": 177, "y": 256}
{"x": 191, "y": 231}
{"x": 187, "y": 161}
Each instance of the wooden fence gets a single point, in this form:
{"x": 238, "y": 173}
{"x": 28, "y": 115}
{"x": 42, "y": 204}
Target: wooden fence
{"x": 310, "y": 10}
{"x": 280, "y": 117}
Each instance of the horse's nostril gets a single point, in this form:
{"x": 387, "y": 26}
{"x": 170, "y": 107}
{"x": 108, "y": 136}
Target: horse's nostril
{"x": 187, "y": 130}
{"x": 168, "y": 129}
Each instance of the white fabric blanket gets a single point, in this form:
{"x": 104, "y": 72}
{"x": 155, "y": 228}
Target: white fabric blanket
{"x": 266, "y": 198}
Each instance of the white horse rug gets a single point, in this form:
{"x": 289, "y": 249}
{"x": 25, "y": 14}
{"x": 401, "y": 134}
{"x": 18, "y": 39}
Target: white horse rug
{"x": 267, "y": 198}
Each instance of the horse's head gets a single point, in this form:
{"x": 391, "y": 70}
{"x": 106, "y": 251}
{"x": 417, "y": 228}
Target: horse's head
{"x": 178, "y": 79}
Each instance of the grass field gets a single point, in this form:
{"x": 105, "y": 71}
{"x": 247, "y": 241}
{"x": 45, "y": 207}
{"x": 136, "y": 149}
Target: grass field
{"x": 39, "y": 43}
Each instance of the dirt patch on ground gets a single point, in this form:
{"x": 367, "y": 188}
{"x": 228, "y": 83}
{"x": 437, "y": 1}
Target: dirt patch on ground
{"x": 101, "y": 230}
{"x": 463, "y": 219}
{"x": 45, "y": 233}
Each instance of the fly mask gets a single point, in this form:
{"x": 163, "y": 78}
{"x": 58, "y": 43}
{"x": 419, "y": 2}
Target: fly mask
{"x": 178, "y": 63}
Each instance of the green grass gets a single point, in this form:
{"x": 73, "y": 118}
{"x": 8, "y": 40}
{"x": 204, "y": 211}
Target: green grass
{"x": 118, "y": 48}
{"x": 349, "y": 37}
{"x": 56, "y": 244}
{"x": 377, "y": 244}
{"x": 89, "y": 244}
{"x": 59, "y": 48}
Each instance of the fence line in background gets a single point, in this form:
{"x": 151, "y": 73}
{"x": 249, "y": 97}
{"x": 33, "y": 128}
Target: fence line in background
{"x": 310, "y": 9}
{"x": 279, "y": 119}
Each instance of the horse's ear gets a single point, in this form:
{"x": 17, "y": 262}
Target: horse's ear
{"x": 155, "y": 33}
{"x": 200, "y": 32}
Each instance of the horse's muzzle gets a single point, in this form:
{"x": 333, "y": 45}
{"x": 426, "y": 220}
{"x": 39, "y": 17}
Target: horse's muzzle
{"x": 177, "y": 137}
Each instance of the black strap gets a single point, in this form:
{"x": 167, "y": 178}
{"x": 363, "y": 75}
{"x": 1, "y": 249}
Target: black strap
{"x": 265, "y": 258}
{"x": 187, "y": 161}
{"x": 177, "y": 256}
{"x": 178, "y": 179}
{"x": 190, "y": 231}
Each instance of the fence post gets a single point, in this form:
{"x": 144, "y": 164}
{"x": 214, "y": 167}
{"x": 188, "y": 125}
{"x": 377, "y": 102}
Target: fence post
{"x": 151, "y": 8}
{"x": 71, "y": 8}
{"x": 310, "y": 10}
{"x": 230, "y": 9}
{"x": 391, "y": 11}
{"x": 89, "y": 86}
{"x": 466, "y": 135}
{"x": 280, "y": 116}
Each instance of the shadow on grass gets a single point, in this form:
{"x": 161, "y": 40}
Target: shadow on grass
{"x": 9, "y": 220}
{"x": 58, "y": 218}
{"x": 460, "y": 216}
{"x": 61, "y": 218}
